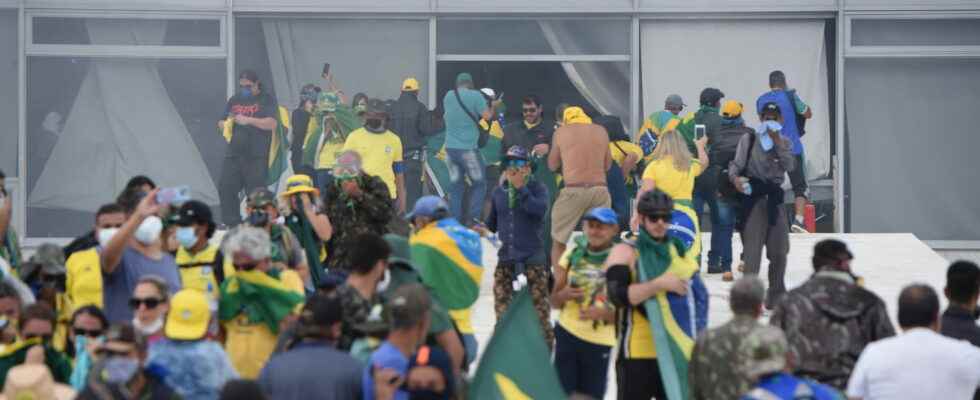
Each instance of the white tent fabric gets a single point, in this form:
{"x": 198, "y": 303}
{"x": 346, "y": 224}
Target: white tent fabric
{"x": 598, "y": 82}
{"x": 365, "y": 56}
{"x": 736, "y": 56}
{"x": 8, "y": 92}
{"x": 122, "y": 123}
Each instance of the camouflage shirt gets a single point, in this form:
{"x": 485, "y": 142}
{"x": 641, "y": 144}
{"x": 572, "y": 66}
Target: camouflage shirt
{"x": 352, "y": 216}
{"x": 828, "y": 321}
{"x": 715, "y": 371}
{"x": 356, "y": 312}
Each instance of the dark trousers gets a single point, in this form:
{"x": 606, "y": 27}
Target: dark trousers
{"x": 413, "y": 181}
{"x": 582, "y": 366}
{"x": 239, "y": 173}
{"x": 639, "y": 379}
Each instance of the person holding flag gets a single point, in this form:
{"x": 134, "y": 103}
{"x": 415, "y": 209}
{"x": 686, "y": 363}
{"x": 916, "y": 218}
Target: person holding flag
{"x": 449, "y": 257}
{"x": 661, "y": 305}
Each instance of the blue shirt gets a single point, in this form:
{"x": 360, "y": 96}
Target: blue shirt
{"x": 788, "y": 387}
{"x": 386, "y": 356}
{"x": 311, "y": 371}
{"x": 461, "y": 130}
{"x": 519, "y": 228}
{"x": 789, "y": 105}
{"x": 194, "y": 369}
{"x": 117, "y": 287}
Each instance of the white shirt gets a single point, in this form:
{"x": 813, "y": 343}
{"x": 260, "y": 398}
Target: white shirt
{"x": 919, "y": 364}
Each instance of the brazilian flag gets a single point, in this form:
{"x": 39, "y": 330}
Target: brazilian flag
{"x": 516, "y": 364}
{"x": 279, "y": 168}
{"x": 449, "y": 257}
{"x": 260, "y": 295}
{"x": 16, "y": 353}
{"x": 347, "y": 121}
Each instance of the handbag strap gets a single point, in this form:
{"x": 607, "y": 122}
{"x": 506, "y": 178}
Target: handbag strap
{"x": 466, "y": 110}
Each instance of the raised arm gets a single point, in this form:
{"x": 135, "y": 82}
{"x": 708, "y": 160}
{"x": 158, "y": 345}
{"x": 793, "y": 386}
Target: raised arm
{"x": 112, "y": 253}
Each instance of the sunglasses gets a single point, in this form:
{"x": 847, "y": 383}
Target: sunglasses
{"x": 112, "y": 353}
{"x": 515, "y": 164}
{"x": 44, "y": 338}
{"x": 246, "y": 267}
{"x": 660, "y": 217}
{"x": 94, "y": 333}
{"x": 150, "y": 302}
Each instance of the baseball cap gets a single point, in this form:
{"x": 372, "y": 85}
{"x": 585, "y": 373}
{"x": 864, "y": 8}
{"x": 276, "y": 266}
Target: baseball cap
{"x": 463, "y": 77}
{"x": 603, "y": 215}
{"x": 194, "y": 212}
{"x": 427, "y": 206}
{"x": 407, "y": 306}
{"x": 410, "y": 85}
{"x": 710, "y": 96}
{"x": 489, "y": 92}
{"x": 188, "y": 316}
{"x": 48, "y": 258}
{"x": 377, "y": 107}
{"x": 261, "y": 197}
{"x": 770, "y": 108}
{"x": 763, "y": 352}
{"x": 731, "y": 109}
{"x": 517, "y": 152}
{"x": 675, "y": 100}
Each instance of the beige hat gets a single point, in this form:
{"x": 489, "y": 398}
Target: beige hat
{"x": 34, "y": 381}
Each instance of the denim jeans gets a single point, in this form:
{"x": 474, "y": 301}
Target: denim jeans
{"x": 722, "y": 228}
{"x": 466, "y": 164}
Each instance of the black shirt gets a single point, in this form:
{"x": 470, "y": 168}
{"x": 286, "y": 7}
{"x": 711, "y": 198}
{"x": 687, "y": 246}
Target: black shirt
{"x": 517, "y": 133}
{"x": 958, "y": 323}
{"x": 301, "y": 122}
{"x": 248, "y": 140}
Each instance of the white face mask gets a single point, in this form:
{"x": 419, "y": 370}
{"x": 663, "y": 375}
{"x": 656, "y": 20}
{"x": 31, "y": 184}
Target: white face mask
{"x": 105, "y": 235}
{"x": 281, "y": 220}
{"x": 149, "y": 230}
{"x": 383, "y": 283}
{"x": 148, "y": 329}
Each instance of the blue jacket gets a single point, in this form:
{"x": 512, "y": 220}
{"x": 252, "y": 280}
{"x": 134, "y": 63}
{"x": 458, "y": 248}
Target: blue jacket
{"x": 789, "y": 387}
{"x": 519, "y": 228}
{"x": 786, "y": 99}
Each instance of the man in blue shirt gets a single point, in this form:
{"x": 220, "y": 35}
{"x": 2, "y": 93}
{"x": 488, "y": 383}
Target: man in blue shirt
{"x": 465, "y": 108}
{"x": 408, "y": 318}
{"x": 763, "y": 354}
{"x": 790, "y": 106}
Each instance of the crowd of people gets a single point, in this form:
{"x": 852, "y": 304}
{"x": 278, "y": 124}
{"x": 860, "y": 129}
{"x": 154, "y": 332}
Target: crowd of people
{"x": 351, "y": 282}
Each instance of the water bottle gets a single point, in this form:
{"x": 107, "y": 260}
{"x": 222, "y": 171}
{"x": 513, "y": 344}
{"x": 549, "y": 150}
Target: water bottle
{"x": 213, "y": 307}
{"x": 746, "y": 186}
{"x": 494, "y": 240}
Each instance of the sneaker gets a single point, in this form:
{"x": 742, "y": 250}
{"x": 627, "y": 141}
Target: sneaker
{"x": 741, "y": 266}
{"x": 715, "y": 269}
{"x": 798, "y": 228}
{"x": 727, "y": 276}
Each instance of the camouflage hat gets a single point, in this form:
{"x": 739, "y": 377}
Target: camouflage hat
{"x": 327, "y": 102}
{"x": 48, "y": 258}
{"x": 763, "y": 352}
{"x": 261, "y": 197}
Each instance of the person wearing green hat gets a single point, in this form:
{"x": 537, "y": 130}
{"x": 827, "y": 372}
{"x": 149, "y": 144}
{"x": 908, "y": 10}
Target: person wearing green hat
{"x": 464, "y": 108}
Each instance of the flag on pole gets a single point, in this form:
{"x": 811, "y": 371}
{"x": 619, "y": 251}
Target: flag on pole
{"x": 516, "y": 364}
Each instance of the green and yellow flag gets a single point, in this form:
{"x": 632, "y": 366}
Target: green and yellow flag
{"x": 449, "y": 257}
{"x": 260, "y": 295}
{"x": 516, "y": 364}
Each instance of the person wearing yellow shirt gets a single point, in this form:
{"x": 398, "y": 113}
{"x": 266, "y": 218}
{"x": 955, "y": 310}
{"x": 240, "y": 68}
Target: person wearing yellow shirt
{"x": 83, "y": 282}
{"x": 250, "y": 334}
{"x": 201, "y": 263}
{"x": 380, "y": 150}
{"x": 585, "y": 334}
{"x": 673, "y": 171}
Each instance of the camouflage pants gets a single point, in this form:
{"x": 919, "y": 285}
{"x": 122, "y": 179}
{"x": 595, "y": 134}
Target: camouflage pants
{"x": 537, "y": 281}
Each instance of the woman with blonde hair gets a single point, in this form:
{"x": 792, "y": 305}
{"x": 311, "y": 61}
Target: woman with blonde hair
{"x": 672, "y": 170}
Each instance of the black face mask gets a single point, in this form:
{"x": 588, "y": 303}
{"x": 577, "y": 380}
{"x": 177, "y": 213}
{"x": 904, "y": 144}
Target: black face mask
{"x": 374, "y": 125}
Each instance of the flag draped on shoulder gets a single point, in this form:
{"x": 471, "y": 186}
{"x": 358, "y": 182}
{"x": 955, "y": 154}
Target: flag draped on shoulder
{"x": 261, "y": 296}
{"x": 344, "y": 121}
{"x": 516, "y": 364}
{"x": 449, "y": 257}
{"x": 674, "y": 319}
{"x": 279, "y": 167}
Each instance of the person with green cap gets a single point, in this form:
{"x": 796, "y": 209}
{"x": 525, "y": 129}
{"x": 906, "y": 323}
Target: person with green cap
{"x": 464, "y": 107}
{"x": 765, "y": 358}
{"x": 44, "y": 273}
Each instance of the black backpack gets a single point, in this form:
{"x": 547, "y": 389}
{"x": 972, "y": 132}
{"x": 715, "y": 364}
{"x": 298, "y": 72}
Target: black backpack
{"x": 722, "y": 154}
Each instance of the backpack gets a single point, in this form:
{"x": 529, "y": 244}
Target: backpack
{"x": 722, "y": 154}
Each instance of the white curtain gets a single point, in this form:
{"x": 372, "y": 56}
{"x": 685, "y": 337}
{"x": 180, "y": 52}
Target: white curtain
{"x": 736, "y": 56}
{"x": 122, "y": 123}
{"x": 8, "y": 93}
{"x": 601, "y": 83}
{"x": 365, "y": 56}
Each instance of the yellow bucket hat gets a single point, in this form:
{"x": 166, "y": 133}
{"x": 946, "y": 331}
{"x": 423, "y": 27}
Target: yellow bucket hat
{"x": 300, "y": 184}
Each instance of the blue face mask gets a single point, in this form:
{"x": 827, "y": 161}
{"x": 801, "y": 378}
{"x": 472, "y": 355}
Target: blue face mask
{"x": 120, "y": 370}
{"x": 186, "y": 236}
{"x": 245, "y": 92}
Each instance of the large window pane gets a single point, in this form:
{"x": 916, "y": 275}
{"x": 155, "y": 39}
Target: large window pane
{"x": 94, "y": 123}
{"x": 119, "y": 31}
{"x": 915, "y": 32}
{"x": 369, "y": 56}
{"x": 911, "y": 147}
{"x": 8, "y": 92}
{"x": 549, "y": 36}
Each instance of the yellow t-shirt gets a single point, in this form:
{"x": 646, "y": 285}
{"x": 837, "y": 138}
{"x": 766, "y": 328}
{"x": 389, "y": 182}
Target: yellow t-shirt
{"x": 83, "y": 282}
{"x": 328, "y": 154}
{"x": 591, "y": 277}
{"x": 249, "y": 344}
{"x": 637, "y": 340}
{"x": 379, "y": 152}
{"x": 679, "y": 185}
{"x": 620, "y": 149}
